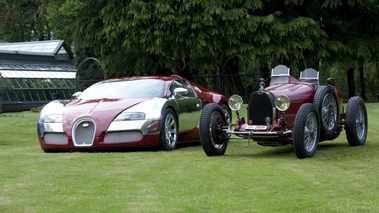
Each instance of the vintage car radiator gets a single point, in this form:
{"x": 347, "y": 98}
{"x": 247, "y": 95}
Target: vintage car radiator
{"x": 261, "y": 108}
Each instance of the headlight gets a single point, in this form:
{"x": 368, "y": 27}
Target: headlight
{"x": 282, "y": 103}
{"x": 128, "y": 116}
{"x": 52, "y": 119}
{"x": 235, "y": 102}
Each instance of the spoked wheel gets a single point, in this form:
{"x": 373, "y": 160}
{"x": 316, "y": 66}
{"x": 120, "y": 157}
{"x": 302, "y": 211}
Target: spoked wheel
{"x": 326, "y": 105}
{"x": 356, "y": 121}
{"x": 213, "y": 140}
{"x": 169, "y": 130}
{"x": 306, "y": 133}
{"x": 227, "y": 113}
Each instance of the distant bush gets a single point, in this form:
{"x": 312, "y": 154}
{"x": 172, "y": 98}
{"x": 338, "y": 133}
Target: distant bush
{"x": 36, "y": 109}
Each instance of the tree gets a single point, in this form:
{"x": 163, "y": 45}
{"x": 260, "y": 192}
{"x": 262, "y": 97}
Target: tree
{"x": 205, "y": 37}
{"x": 355, "y": 24}
{"x": 24, "y": 20}
{"x": 193, "y": 37}
{"x": 63, "y": 17}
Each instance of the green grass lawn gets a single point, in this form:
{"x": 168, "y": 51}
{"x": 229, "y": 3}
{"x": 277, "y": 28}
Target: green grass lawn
{"x": 338, "y": 178}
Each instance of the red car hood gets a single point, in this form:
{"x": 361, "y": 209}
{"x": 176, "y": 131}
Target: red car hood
{"x": 103, "y": 111}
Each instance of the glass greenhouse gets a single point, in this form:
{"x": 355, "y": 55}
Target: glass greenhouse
{"x": 34, "y": 73}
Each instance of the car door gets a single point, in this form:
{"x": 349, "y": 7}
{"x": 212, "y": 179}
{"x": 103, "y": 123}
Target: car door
{"x": 189, "y": 105}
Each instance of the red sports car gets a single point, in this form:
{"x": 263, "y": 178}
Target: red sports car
{"x": 301, "y": 112}
{"x": 148, "y": 111}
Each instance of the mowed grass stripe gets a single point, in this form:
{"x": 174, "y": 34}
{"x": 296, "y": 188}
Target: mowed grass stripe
{"x": 339, "y": 178}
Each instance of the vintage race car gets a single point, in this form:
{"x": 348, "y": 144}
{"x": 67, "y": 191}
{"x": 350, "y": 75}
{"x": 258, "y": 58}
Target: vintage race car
{"x": 293, "y": 111}
{"x": 152, "y": 111}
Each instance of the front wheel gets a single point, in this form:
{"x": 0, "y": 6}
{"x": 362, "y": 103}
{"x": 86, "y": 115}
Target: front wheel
{"x": 306, "y": 133}
{"x": 213, "y": 140}
{"x": 356, "y": 121}
{"x": 227, "y": 113}
{"x": 169, "y": 130}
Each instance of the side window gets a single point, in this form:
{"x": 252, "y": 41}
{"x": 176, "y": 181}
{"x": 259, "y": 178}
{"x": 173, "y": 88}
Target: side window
{"x": 182, "y": 84}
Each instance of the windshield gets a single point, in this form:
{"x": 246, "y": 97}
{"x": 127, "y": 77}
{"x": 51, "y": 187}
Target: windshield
{"x": 137, "y": 88}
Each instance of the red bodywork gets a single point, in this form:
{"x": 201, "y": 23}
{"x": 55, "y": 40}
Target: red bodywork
{"x": 103, "y": 111}
{"x": 301, "y": 112}
{"x": 298, "y": 93}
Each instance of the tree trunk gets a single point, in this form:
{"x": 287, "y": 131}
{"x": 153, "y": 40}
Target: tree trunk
{"x": 231, "y": 78}
{"x": 362, "y": 81}
{"x": 183, "y": 69}
{"x": 265, "y": 72}
{"x": 376, "y": 87}
{"x": 350, "y": 82}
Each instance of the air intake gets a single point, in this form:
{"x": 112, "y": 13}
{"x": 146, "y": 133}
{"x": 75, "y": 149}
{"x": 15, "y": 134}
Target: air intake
{"x": 83, "y": 132}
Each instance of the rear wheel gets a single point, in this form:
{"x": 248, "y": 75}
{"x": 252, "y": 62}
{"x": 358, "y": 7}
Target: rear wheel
{"x": 213, "y": 140}
{"x": 326, "y": 105}
{"x": 356, "y": 121}
{"x": 169, "y": 130}
{"x": 306, "y": 134}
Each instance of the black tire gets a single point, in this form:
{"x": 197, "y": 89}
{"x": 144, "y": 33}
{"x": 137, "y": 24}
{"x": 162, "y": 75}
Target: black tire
{"x": 356, "y": 121}
{"x": 306, "y": 133}
{"x": 227, "y": 113}
{"x": 169, "y": 130}
{"x": 325, "y": 101}
{"x": 213, "y": 140}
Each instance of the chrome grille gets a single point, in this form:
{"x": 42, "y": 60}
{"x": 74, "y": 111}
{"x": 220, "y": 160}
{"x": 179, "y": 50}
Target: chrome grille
{"x": 261, "y": 107}
{"x": 123, "y": 137}
{"x": 83, "y": 132}
{"x": 55, "y": 138}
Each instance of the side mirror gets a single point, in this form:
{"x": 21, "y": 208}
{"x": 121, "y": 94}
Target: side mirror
{"x": 76, "y": 95}
{"x": 180, "y": 91}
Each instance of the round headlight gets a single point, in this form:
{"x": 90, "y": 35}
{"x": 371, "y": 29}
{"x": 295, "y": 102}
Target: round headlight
{"x": 282, "y": 103}
{"x": 235, "y": 102}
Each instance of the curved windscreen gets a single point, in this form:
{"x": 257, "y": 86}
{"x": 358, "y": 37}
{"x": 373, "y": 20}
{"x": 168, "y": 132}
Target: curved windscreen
{"x": 136, "y": 88}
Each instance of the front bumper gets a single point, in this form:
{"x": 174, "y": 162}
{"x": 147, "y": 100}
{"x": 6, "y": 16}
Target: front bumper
{"x": 86, "y": 134}
{"x": 260, "y": 134}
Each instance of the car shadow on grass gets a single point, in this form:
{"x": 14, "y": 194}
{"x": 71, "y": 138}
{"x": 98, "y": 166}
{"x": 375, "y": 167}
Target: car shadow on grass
{"x": 127, "y": 149}
{"x": 256, "y": 151}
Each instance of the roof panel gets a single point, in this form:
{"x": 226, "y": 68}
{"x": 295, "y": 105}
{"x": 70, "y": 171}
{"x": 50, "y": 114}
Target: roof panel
{"x": 35, "y": 67}
{"x": 50, "y": 46}
{"x": 37, "y": 74}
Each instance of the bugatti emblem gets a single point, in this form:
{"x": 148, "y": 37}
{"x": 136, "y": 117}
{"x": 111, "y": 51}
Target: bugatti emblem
{"x": 85, "y": 125}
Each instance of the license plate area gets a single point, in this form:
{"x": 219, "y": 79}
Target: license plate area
{"x": 255, "y": 127}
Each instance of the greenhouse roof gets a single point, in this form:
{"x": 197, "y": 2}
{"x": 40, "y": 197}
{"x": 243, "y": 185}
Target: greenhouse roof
{"x": 49, "y": 47}
{"x": 36, "y": 47}
{"x": 36, "y": 74}
{"x": 36, "y": 71}
{"x": 37, "y": 67}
